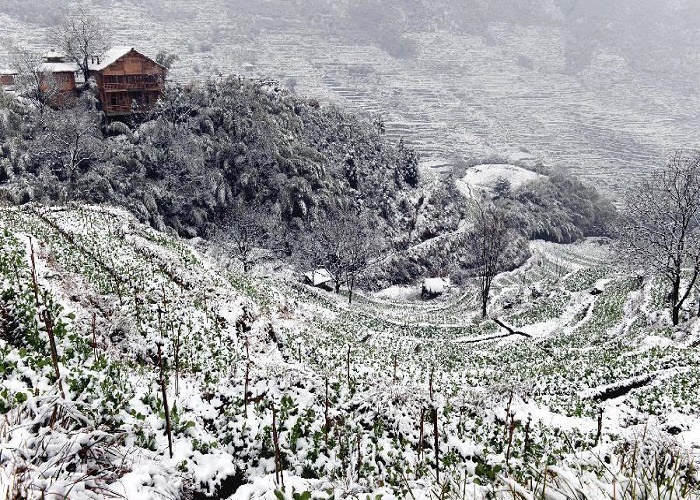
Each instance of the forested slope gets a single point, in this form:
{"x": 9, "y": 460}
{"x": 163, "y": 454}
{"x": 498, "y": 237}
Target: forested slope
{"x": 206, "y": 147}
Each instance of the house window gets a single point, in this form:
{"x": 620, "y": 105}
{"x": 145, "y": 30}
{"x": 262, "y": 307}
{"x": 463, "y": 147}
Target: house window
{"x": 113, "y": 100}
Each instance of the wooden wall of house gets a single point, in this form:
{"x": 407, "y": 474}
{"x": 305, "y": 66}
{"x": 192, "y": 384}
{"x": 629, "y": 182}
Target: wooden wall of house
{"x": 63, "y": 81}
{"x": 131, "y": 77}
{"x": 134, "y": 64}
{"x": 61, "y": 86}
{"x": 7, "y": 80}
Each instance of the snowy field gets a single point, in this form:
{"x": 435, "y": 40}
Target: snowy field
{"x": 484, "y": 178}
{"x": 274, "y": 381}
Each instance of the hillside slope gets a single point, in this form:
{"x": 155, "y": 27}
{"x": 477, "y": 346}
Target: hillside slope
{"x": 602, "y": 89}
{"x": 261, "y": 371}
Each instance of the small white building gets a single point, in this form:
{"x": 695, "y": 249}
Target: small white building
{"x": 319, "y": 277}
{"x": 433, "y": 287}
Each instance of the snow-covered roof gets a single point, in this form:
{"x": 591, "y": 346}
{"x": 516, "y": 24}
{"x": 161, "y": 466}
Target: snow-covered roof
{"x": 434, "y": 286}
{"x": 110, "y": 57}
{"x": 58, "y": 67}
{"x": 318, "y": 277}
{"x": 53, "y": 54}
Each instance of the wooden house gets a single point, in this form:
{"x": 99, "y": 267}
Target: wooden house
{"x": 57, "y": 79}
{"x": 7, "y": 78}
{"x": 127, "y": 80}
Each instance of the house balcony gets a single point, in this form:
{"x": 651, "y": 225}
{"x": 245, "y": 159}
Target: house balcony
{"x": 125, "y": 87}
{"x": 116, "y": 109}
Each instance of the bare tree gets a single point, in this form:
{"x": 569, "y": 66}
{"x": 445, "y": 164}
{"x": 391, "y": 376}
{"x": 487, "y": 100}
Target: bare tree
{"x": 82, "y": 37}
{"x": 345, "y": 244}
{"x": 488, "y": 242}
{"x": 71, "y": 140}
{"x": 660, "y": 227}
{"x": 245, "y": 228}
{"x": 363, "y": 247}
{"x": 166, "y": 59}
{"x": 31, "y": 81}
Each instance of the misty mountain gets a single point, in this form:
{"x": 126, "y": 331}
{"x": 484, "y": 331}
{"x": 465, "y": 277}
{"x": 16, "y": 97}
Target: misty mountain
{"x": 652, "y": 36}
{"x": 602, "y": 89}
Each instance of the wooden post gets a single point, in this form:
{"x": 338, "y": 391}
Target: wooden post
{"x": 600, "y": 426}
{"x": 327, "y": 425}
{"x": 422, "y": 433}
{"x": 430, "y": 384}
{"x": 352, "y": 285}
{"x": 526, "y": 444}
{"x": 437, "y": 444}
{"x": 48, "y": 323}
{"x": 279, "y": 476}
{"x": 45, "y": 315}
{"x": 395, "y": 363}
{"x": 348, "y": 365}
{"x": 138, "y": 311}
{"x": 245, "y": 391}
{"x": 510, "y": 442}
{"x": 505, "y": 426}
{"x": 94, "y": 335}
{"x": 177, "y": 360}
{"x": 168, "y": 428}
{"x": 17, "y": 282}
{"x": 35, "y": 284}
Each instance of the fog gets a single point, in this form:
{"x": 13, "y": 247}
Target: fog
{"x": 602, "y": 87}
{"x": 652, "y": 35}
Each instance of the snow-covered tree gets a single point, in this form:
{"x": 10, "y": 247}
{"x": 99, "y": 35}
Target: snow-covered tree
{"x": 345, "y": 244}
{"x": 81, "y": 36}
{"x": 660, "y": 227}
{"x": 407, "y": 166}
{"x": 488, "y": 242}
{"x": 70, "y": 140}
{"x": 244, "y": 229}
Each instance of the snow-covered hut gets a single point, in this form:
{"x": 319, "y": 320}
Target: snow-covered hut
{"x": 433, "y": 287}
{"x": 319, "y": 278}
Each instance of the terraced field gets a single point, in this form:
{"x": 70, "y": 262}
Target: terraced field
{"x": 262, "y": 367}
{"x": 505, "y": 92}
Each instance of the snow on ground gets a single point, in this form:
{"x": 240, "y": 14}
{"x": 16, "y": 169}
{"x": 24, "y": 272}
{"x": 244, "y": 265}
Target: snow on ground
{"x": 385, "y": 361}
{"x": 485, "y": 177}
{"x": 398, "y": 292}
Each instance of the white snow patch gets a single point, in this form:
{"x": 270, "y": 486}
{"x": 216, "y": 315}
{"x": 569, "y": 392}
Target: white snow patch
{"x": 434, "y": 286}
{"x": 397, "y": 292}
{"x": 484, "y": 177}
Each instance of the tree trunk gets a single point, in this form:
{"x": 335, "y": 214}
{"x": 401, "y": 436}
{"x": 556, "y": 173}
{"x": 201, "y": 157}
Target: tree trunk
{"x": 675, "y": 301}
{"x": 675, "y": 316}
{"x": 436, "y": 437}
{"x": 485, "y": 289}
{"x": 351, "y": 283}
